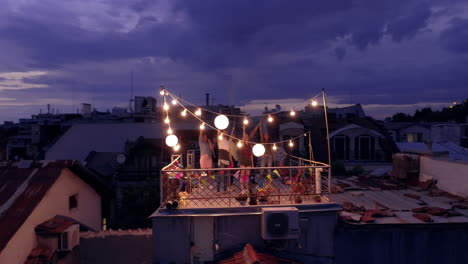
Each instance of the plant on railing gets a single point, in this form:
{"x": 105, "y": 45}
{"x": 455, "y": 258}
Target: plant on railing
{"x": 242, "y": 198}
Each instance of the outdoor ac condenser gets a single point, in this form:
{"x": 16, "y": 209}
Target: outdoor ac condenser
{"x": 280, "y": 223}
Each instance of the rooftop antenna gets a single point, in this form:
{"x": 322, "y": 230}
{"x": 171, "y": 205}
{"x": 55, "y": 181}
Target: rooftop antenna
{"x": 130, "y": 102}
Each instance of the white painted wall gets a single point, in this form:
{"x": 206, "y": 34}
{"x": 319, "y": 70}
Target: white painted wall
{"x": 451, "y": 176}
{"x": 426, "y": 133}
{"x": 55, "y": 202}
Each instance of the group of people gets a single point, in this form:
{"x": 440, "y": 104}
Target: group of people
{"x": 228, "y": 155}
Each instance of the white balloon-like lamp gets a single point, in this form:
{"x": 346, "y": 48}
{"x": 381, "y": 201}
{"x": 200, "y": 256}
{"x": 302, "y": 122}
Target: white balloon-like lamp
{"x": 221, "y": 122}
{"x": 172, "y": 140}
{"x": 258, "y": 150}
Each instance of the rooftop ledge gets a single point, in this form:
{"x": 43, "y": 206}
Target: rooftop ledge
{"x": 244, "y": 210}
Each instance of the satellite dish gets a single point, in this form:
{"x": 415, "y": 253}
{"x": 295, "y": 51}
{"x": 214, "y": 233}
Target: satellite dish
{"x": 121, "y": 158}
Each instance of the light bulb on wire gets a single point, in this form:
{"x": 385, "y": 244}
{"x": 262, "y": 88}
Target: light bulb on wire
{"x": 198, "y": 112}
{"x": 292, "y": 113}
{"x": 166, "y": 106}
{"x": 314, "y": 103}
{"x": 246, "y": 121}
{"x": 162, "y": 92}
{"x": 174, "y": 101}
{"x": 166, "y": 120}
{"x": 169, "y": 131}
{"x": 202, "y": 126}
{"x": 291, "y": 144}
{"x": 274, "y": 147}
{"x": 220, "y": 137}
{"x": 176, "y": 147}
{"x": 270, "y": 118}
{"x": 184, "y": 112}
{"x": 239, "y": 144}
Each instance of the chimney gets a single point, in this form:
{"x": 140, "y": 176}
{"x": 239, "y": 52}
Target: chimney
{"x": 207, "y": 99}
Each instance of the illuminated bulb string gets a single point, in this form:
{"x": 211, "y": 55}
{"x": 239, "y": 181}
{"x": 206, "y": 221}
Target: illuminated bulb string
{"x": 179, "y": 100}
{"x": 240, "y": 141}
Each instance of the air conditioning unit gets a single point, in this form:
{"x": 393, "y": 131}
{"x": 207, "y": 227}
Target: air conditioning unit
{"x": 280, "y": 223}
{"x": 69, "y": 238}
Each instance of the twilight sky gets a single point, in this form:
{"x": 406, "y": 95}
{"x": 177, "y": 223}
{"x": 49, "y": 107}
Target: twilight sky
{"x": 389, "y": 55}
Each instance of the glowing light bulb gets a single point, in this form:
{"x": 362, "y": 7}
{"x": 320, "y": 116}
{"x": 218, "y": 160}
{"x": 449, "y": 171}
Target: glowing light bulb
{"x": 274, "y": 147}
{"x": 246, "y": 121}
{"x": 184, "y": 113}
{"x": 220, "y": 137}
{"x": 292, "y": 113}
{"x": 314, "y": 103}
{"x": 202, "y": 126}
{"x": 291, "y": 144}
{"x": 169, "y": 131}
{"x": 176, "y": 147}
{"x": 166, "y": 120}
{"x": 270, "y": 118}
{"x": 221, "y": 122}
{"x": 239, "y": 144}
{"x": 161, "y": 92}
{"x": 172, "y": 140}
{"x": 166, "y": 106}
{"x": 174, "y": 101}
{"x": 198, "y": 112}
{"x": 258, "y": 150}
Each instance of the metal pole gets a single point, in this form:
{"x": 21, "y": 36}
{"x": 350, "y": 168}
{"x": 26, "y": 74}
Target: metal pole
{"x": 161, "y": 174}
{"x": 328, "y": 139}
{"x": 311, "y": 151}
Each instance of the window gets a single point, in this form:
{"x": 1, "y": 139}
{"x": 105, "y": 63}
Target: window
{"x": 414, "y": 137}
{"x": 341, "y": 147}
{"x": 73, "y": 201}
{"x": 364, "y": 147}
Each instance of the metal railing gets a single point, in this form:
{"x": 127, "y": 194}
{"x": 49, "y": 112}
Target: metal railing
{"x": 232, "y": 187}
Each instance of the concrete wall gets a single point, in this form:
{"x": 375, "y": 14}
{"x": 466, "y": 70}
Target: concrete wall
{"x": 177, "y": 240}
{"x": 55, "y": 202}
{"x": 116, "y": 249}
{"x": 401, "y": 244}
{"x": 451, "y": 176}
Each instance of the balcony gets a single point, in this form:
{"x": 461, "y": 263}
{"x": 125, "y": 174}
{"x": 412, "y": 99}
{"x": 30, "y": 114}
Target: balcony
{"x": 301, "y": 183}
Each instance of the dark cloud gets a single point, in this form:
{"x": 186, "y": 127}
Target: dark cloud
{"x": 236, "y": 50}
{"x": 455, "y": 38}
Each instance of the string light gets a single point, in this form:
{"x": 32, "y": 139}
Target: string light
{"x": 166, "y": 120}
{"x": 198, "y": 112}
{"x": 169, "y": 131}
{"x": 166, "y": 106}
{"x": 239, "y": 144}
{"x": 174, "y": 101}
{"x": 161, "y": 92}
{"x": 270, "y": 118}
{"x": 221, "y": 122}
{"x": 314, "y": 103}
{"x": 292, "y": 113}
{"x": 258, "y": 150}
{"x": 274, "y": 147}
{"x": 172, "y": 140}
{"x": 184, "y": 113}
{"x": 176, "y": 147}
{"x": 202, "y": 126}
{"x": 220, "y": 137}
{"x": 291, "y": 144}
{"x": 246, "y": 121}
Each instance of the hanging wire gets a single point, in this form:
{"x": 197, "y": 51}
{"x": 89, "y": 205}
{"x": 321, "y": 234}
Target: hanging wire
{"x": 178, "y": 99}
{"x": 229, "y": 136}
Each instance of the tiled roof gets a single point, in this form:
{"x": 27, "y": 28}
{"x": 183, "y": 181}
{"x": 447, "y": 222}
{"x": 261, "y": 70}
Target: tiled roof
{"x": 21, "y": 190}
{"x": 40, "y": 255}
{"x": 249, "y": 256}
{"x": 377, "y": 200}
{"x": 55, "y": 225}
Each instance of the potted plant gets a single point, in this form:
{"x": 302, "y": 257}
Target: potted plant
{"x": 298, "y": 199}
{"x": 263, "y": 196}
{"x": 242, "y": 198}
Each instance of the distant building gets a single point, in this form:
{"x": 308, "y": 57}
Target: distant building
{"x": 145, "y": 105}
{"x": 41, "y": 201}
{"x": 86, "y": 109}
